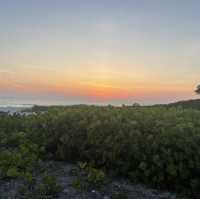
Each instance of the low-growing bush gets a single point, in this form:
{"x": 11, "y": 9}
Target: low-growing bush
{"x": 47, "y": 188}
{"x": 14, "y": 162}
{"x": 89, "y": 177}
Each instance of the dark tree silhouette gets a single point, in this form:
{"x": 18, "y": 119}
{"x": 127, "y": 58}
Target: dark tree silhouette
{"x": 198, "y": 89}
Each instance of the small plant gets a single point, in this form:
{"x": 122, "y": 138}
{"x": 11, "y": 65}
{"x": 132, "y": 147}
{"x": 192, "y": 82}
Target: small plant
{"x": 49, "y": 186}
{"x": 95, "y": 176}
{"x": 82, "y": 165}
{"x": 89, "y": 177}
{"x": 12, "y": 173}
{"x": 30, "y": 181}
{"x": 79, "y": 184}
{"x": 28, "y": 177}
{"x": 46, "y": 188}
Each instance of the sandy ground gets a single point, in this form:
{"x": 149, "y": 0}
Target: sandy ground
{"x": 62, "y": 171}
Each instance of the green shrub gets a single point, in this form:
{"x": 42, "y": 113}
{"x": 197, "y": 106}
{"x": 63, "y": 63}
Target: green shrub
{"x": 49, "y": 186}
{"x": 80, "y": 184}
{"x": 14, "y": 162}
{"x": 95, "y": 176}
{"x": 12, "y": 173}
{"x": 157, "y": 146}
{"x": 88, "y": 176}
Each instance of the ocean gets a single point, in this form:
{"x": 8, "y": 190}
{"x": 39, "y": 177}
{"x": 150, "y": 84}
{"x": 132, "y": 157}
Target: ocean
{"x": 12, "y": 108}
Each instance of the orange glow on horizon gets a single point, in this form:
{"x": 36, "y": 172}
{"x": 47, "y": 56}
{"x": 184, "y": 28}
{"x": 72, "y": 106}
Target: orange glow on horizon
{"x": 103, "y": 87}
{"x": 99, "y": 91}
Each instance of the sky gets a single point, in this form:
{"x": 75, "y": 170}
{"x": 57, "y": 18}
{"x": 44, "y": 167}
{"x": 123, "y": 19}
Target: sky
{"x": 98, "y": 52}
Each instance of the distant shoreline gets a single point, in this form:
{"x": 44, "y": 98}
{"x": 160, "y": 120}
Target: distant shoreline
{"x": 16, "y": 105}
{"x": 12, "y": 108}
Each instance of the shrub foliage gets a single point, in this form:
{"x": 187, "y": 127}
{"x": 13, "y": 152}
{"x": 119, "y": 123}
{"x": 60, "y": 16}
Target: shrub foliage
{"x": 157, "y": 146}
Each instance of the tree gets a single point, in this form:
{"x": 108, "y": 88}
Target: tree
{"x": 136, "y": 104}
{"x": 198, "y": 89}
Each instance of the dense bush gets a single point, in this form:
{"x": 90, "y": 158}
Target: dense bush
{"x": 18, "y": 155}
{"x": 157, "y": 146}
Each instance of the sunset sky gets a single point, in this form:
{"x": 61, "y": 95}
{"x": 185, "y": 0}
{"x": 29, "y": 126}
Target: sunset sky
{"x": 99, "y": 51}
